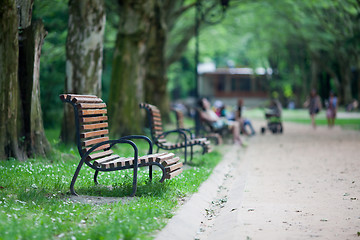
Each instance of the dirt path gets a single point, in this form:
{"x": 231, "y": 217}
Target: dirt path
{"x": 300, "y": 185}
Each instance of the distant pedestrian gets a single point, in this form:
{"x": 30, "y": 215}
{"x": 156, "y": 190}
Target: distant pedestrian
{"x": 314, "y": 105}
{"x": 331, "y": 109}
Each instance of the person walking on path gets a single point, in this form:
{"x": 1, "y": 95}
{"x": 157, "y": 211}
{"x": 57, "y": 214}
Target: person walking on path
{"x": 314, "y": 105}
{"x": 331, "y": 110}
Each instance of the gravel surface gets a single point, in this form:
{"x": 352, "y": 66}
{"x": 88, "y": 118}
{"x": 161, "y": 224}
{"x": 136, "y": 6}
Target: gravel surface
{"x": 302, "y": 184}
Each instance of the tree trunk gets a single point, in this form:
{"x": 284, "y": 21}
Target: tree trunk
{"x": 30, "y": 43}
{"x": 314, "y": 74}
{"x": 10, "y": 118}
{"x": 346, "y": 83}
{"x": 128, "y": 70}
{"x": 155, "y": 79}
{"x": 84, "y": 55}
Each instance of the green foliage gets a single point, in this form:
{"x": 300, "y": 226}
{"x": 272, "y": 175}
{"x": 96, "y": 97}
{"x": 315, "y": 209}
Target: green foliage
{"x": 287, "y": 36}
{"x": 35, "y": 196}
{"x": 52, "y": 62}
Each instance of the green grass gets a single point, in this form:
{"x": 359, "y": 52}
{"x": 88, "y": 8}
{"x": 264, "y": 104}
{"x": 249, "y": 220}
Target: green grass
{"x": 35, "y": 203}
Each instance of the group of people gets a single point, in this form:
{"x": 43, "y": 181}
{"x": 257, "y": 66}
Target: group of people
{"x": 218, "y": 119}
{"x": 315, "y": 106}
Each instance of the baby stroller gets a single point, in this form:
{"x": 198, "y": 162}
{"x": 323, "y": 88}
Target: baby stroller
{"x": 273, "y": 118}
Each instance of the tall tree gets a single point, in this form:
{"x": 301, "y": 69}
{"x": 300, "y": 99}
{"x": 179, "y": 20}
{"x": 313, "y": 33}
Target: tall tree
{"x": 155, "y": 81}
{"x": 21, "y": 129}
{"x": 84, "y": 55}
{"x": 9, "y": 88}
{"x": 31, "y": 41}
{"x": 128, "y": 72}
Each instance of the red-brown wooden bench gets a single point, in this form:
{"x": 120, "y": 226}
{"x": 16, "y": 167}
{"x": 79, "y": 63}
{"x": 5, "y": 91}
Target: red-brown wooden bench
{"x": 159, "y": 136}
{"x": 94, "y": 145}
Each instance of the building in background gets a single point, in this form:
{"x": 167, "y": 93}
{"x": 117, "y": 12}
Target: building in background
{"x": 229, "y": 84}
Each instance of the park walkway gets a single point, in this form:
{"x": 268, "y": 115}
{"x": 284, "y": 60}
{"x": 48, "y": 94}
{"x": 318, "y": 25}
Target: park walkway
{"x": 300, "y": 185}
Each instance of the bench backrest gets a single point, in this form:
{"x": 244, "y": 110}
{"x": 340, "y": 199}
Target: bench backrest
{"x": 155, "y": 122}
{"x": 91, "y": 123}
{"x": 179, "y": 118}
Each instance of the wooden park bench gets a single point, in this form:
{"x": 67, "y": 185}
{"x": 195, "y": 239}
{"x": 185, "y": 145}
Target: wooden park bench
{"x": 94, "y": 145}
{"x": 158, "y": 135}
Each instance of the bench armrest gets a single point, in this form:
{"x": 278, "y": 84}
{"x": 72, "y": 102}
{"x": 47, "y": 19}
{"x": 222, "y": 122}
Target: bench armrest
{"x": 112, "y": 143}
{"x": 188, "y": 130}
{"x": 150, "y": 151}
{"x": 179, "y": 131}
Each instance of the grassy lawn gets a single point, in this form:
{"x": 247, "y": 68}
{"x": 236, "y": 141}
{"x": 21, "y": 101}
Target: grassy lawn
{"x": 35, "y": 200}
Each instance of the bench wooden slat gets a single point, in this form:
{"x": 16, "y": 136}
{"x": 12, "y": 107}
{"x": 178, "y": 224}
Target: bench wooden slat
{"x": 100, "y": 155}
{"x": 71, "y": 96}
{"x": 150, "y": 158}
{"x": 93, "y": 119}
{"x": 167, "y": 156}
{"x": 86, "y": 100}
{"x": 154, "y": 109}
{"x": 156, "y": 114}
{"x": 91, "y": 105}
{"x": 157, "y": 133}
{"x": 94, "y": 133}
{"x": 174, "y": 173}
{"x": 99, "y": 161}
{"x": 156, "y": 119}
{"x": 171, "y": 161}
{"x": 92, "y": 111}
{"x": 157, "y": 128}
{"x": 94, "y": 141}
{"x": 120, "y": 162}
{"x": 102, "y": 147}
{"x": 162, "y": 140}
{"x": 94, "y": 126}
{"x": 173, "y": 167}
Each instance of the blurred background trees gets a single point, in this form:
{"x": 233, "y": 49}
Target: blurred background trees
{"x": 148, "y": 50}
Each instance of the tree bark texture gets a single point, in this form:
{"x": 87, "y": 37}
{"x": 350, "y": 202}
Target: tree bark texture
{"x": 129, "y": 71}
{"x": 30, "y": 43}
{"x": 84, "y": 55}
{"x": 21, "y": 127}
{"x": 155, "y": 79}
{"x": 10, "y": 115}
{"x": 24, "y": 11}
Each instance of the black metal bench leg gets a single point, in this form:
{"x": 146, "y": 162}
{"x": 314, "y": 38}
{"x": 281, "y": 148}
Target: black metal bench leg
{"x": 192, "y": 152}
{"x": 185, "y": 154}
{"x": 204, "y": 149}
{"x": 95, "y": 177}
{"x": 75, "y": 177}
{"x": 134, "y": 182}
{"x": 150, "y": 172}
{"x": 157, "y": 151}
